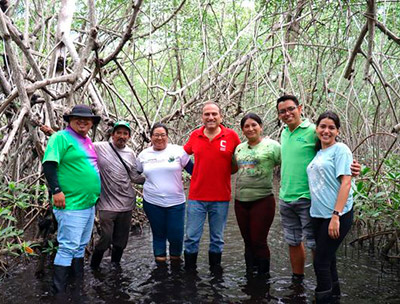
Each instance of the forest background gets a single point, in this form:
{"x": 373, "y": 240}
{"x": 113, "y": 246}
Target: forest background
{"x": 159, "y": 60}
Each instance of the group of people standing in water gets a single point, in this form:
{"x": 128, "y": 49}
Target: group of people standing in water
{"x": 315, "y": 198}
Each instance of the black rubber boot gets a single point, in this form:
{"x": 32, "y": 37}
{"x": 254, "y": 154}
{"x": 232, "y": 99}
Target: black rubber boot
{"x": 263, "y": 267}
{"x": 97, "y": 256}
{"x": 297, "y": 278}
{"x": 60, "y": 278}
{"x": 214, "y": 259}
{"x": 77, "y": 266}
{"x": 190, "y": 260}
{"x": 323, "y": 297}
{"x": 249, "y": 259}
{"x": 116, "y": 255}
{"x": 335, "y": 292}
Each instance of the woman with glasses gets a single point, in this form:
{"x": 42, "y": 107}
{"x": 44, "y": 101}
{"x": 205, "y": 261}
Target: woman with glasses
{"x": 255, "y": 160}
{"x": 329, "y": 178}
{"x": 163, "y": 193}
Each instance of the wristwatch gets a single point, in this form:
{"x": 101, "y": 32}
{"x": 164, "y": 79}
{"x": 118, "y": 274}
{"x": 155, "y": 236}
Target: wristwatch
{"x": 335, "y": 212}
{"x": 57, "y": 190}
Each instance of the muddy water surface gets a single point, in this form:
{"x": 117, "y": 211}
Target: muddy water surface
{"x": 139, "y": 280}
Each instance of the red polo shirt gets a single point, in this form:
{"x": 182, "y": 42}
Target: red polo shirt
{"x": 211, "y": 178}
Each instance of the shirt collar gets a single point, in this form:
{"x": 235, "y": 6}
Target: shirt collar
{"x": 304, "y": 125}
{"x": 75, "y": 133}
{"x": 220, "y": 134}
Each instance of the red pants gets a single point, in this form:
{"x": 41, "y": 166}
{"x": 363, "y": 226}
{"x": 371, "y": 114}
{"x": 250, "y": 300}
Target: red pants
{"x": 254, "y": 219}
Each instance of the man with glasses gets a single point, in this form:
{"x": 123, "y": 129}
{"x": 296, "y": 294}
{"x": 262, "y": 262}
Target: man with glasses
{"x": 298, "y": 149}
{"x": 213, "y": 146}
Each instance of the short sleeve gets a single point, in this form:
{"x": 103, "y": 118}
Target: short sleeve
{"x": 189, "y": 145}
{"x": 55, "y": 149}
{"x": 236, "y": 139}
{"x": 343, "y": 161}
{"x": 277, "y": 153}
{"x": 184, "y": 157}
{"x": 139, "y": 167}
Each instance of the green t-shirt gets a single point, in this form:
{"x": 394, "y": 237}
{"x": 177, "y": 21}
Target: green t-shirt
{"x": 298, "y": 150}
{"x": 77, "y": 171}
{"x": 256, "y": 164}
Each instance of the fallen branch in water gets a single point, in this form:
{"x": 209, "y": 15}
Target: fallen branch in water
{"x": 370, "y": 236}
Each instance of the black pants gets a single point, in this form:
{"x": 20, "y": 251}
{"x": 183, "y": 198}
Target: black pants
{"x": 115, "y": 227}
{"x": 325, "y": 252}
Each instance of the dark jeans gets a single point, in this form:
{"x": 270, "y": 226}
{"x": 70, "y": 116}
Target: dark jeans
{"x": 254, "y": 220}
{"x": 166, "y": 224}
{"x": 115, "y": 227}
{"x": 325, "y": 252}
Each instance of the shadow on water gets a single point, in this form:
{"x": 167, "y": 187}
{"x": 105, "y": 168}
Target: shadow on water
{"x": 140, "y": 280}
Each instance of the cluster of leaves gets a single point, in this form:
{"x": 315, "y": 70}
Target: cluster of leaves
{"x": 14, "y": 199}
{"x": 377, "y": 198}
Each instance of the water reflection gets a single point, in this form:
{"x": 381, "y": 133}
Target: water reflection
{"x": 140, "y": 280}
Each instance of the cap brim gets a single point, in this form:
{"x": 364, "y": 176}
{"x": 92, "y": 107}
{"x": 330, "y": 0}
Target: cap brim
{"x": 121, "y": 126}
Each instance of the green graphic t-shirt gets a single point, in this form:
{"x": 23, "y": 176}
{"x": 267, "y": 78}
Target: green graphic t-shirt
{"x": 256, "y": 164}
{"x": 77, "y": 171}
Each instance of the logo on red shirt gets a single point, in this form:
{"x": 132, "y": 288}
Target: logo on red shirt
{"x": 222, "y": 145}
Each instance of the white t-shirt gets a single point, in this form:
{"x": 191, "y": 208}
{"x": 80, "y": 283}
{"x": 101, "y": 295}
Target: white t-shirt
{"x": 163, "y": 170}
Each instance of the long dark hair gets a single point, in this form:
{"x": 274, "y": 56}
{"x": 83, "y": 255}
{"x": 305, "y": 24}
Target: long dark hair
{"x": 250, "y": 115}
{"x": 330, "y": 115}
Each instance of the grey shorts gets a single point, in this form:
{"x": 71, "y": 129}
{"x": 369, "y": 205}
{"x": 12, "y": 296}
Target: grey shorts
{"x": 296, "y": 222}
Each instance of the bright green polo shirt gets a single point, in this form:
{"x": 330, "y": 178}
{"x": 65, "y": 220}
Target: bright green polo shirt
{"x": 256, "y": 167}
{"x": 298, "y": 150}
{"x": 77, "y": 171}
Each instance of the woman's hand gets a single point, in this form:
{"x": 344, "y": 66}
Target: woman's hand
{"x": 333, "y": 228}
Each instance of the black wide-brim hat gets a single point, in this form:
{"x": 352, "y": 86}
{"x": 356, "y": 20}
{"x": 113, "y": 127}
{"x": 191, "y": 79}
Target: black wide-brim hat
{"x": 82, "y": 111}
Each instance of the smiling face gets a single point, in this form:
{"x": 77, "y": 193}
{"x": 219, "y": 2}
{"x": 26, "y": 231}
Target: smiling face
{"x": 120, "y": 137}
{"x": 290, "y": 113}
{"x": 252, "y": 130}
{"x": 211, "y": 116}
{"x": 159, "y": 139}
{"x": 327, "y": 132}
{"x": 81, "y": 125}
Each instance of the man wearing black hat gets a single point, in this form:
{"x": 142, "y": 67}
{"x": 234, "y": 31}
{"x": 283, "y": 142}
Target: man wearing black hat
{"x": 117, "y": 164}
{"x": 70, "y": 167}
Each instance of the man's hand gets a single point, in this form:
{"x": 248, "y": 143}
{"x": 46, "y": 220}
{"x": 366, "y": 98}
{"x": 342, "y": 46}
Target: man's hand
{"x": 59, "y": 200}
{"x": 47, "y": 130}
{"x": 355, "y": 168}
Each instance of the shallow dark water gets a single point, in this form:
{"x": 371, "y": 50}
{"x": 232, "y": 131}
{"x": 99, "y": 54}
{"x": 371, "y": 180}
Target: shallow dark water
{"x": 140, "y": 281}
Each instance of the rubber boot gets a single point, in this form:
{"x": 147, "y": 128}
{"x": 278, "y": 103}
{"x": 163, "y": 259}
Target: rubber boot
{"x": 214, "y": 259}
{"x": 116, "y": 255}
{"x": 263, "y": 267}
{"x": 297, "y": 278}
{"x": 60, "y": 278}
{"x": 323, "y": 297}
{"x": 97, "y": 256}
{"x": 249, "y": 259}
{"x": 175, "y": 262}
{"x": 190, "y": 260}
{"x": 77, "y": 269}
{"x": 335, "y": 292}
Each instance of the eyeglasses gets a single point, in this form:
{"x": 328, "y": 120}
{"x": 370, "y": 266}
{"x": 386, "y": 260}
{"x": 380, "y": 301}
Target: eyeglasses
{"x": 159, "y": 135}
{"x": 289, "y": 110}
